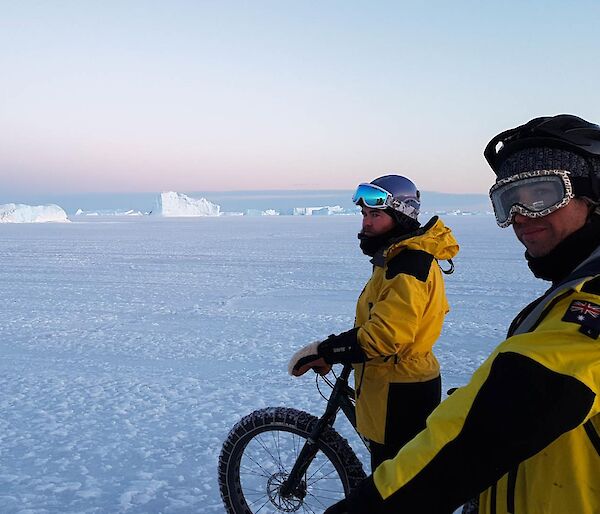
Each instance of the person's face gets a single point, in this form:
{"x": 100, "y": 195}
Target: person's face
{"x": 376, "y": 222}
{"x": 541, "y": 235}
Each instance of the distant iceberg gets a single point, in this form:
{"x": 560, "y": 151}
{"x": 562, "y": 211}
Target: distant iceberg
{"x": 259, "y": 212}
{"x": 130, "y": 212}
{"x": 177, "y": 204}
{"x": 319, "y": 211}
{"x": 21, "y": 213}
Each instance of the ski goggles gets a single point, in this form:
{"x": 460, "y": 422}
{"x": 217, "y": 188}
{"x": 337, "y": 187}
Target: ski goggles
{"x": 533, "y": 194}
{"x": 372, "y": 196}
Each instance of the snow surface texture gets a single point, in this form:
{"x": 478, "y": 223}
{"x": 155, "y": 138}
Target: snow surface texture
{"x": 20, "y": 213}
{"x": 131, "y": 347}
{"x": 179, "y": 205}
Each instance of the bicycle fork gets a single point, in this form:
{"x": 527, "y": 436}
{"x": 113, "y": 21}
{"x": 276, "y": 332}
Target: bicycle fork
{"x": 294, "y": 485}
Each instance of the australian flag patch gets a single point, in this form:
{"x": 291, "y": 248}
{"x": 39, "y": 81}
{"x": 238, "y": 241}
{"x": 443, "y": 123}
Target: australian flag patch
{"x": 586, "y": 314}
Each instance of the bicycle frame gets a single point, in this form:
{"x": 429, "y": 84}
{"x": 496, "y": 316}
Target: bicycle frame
{"x": 340, "y": 398}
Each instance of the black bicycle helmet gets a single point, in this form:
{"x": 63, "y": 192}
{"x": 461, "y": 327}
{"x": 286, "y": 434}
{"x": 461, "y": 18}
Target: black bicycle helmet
{"x": 563, "y": 141}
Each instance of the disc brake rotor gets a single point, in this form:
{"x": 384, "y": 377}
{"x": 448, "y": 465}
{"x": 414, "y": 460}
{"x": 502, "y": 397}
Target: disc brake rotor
{"x": 287, "y": 504}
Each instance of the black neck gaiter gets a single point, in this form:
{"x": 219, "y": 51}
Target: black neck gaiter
{"x": 568, "y": 254}
{"x": 370, "y": 245}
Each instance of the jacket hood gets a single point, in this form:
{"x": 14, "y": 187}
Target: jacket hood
{"x": 434, "y": 237}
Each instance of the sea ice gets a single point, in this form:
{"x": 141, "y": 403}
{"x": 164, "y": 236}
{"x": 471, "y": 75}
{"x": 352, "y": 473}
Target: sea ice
{"x": 131, "y": 347}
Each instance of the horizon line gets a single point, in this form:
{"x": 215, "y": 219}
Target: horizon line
{"x": 225, "y": 191}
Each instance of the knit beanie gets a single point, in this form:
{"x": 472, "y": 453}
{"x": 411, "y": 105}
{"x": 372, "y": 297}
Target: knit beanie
{"x": 549, "y": 158}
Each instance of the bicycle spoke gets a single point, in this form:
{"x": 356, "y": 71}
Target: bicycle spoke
{"x": 275, "y": 436}
{"x": 255, "y": 492}
{"x": 260, "y": 508}
{"x": 275, "y": 459}
{"x": 308, "y": 508}
{"x": 265, "y": 472}
{"x": 331, "y": 500}
{"x": 323, "y": 477}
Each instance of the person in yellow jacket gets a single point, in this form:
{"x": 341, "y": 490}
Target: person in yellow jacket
{"x": 523, "y": 437}
{"x": 399, "y": 317}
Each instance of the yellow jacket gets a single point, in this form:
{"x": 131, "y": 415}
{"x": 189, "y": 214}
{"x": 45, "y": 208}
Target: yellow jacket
{"x": 525, "y": 430}
{"x": 399, "y": 316}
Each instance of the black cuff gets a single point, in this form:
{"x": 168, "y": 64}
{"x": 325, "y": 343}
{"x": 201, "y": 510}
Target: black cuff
{"x": 343, "y": 348}
{"x": 365, "y": 499}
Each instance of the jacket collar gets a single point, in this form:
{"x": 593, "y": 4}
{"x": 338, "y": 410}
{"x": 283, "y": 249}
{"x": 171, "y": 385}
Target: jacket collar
{"x": 382, "y": 254}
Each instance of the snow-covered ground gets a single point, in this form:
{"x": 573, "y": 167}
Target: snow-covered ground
{"x": 131, "y": 346}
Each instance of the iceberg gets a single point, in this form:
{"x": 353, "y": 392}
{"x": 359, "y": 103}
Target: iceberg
{"x": 21, "y": 213}
{"x": 177, "y": 204}
{"x": 104, "y": 212}
{"x": 258, "y": 212}
{"x": 319, "y": 211}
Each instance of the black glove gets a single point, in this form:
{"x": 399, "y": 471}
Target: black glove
{"x": 343, "y": 348}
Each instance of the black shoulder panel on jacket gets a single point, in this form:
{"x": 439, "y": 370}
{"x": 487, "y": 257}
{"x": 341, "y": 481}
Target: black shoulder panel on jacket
{"x": 415, "y": 263}
{"x": 519, "y": 410}
{"x": 592, "y": 286}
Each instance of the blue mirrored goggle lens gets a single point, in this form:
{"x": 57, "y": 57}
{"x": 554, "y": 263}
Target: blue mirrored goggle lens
{"x": 371, "y": 196}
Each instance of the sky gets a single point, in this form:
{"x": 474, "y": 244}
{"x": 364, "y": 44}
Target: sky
{"x": 147, "y": 96}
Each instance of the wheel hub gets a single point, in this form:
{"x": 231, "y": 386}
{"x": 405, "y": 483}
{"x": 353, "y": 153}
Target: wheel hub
{"x": 290, "y": 503}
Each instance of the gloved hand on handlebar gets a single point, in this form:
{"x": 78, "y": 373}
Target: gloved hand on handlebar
{"x": 308, "y": 358}
{"x": 320, "y": 355}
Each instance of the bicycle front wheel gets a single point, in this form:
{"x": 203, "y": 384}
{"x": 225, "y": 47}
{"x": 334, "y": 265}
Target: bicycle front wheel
{"x": 259, "y": 453}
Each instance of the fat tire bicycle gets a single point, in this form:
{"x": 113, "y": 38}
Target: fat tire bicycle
{"x": 281, "y": 459}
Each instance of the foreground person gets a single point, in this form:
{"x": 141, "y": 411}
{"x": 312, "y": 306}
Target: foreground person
{"x": 399, "y": 317}
{"x": 524, "y": 435}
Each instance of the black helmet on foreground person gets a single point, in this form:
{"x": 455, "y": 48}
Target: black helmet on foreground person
{"x": 561, "y": 142}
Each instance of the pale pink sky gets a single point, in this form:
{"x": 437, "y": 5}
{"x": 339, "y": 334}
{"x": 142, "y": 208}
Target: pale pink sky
{"x": 198, "y": 96}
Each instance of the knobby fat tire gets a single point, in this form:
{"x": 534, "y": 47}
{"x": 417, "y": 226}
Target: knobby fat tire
{"x": 280, "y": 419}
